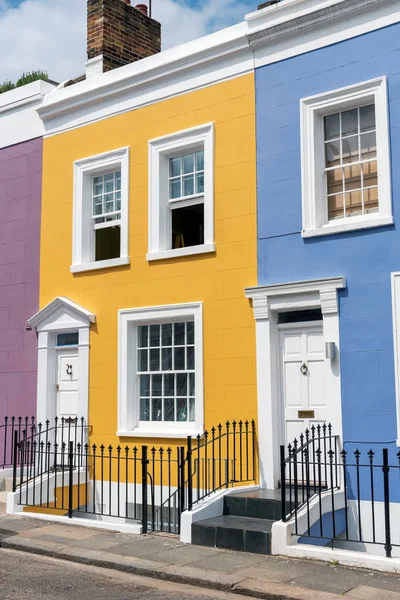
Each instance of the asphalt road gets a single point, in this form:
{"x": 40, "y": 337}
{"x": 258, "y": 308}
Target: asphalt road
{"x": 25, "y": 576}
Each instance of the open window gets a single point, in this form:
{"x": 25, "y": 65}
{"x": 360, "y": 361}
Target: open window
{"x": 181, "y": 194}
{"x": 101, "y": 211}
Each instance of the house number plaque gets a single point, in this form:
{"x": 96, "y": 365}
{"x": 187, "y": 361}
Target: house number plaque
{"x": 305, "y": 414}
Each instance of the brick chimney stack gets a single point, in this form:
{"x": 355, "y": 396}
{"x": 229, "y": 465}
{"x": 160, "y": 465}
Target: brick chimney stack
{"x": 119, "y": 34}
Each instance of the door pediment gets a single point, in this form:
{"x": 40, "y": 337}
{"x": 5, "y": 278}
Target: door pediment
{"x": 60, "y": 314}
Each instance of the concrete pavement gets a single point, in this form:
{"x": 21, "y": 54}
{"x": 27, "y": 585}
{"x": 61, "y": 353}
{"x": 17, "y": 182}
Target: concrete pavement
{"x": 166, "y": 558}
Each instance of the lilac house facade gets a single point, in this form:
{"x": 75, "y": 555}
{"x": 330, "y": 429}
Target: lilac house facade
{"x": 20, "y": 205}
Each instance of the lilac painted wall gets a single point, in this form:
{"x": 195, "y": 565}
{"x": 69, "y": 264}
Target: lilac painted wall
{"x": 20, "y": 206}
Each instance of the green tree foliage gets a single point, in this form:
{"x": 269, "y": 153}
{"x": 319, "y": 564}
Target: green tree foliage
{"x": 23, "y": 80}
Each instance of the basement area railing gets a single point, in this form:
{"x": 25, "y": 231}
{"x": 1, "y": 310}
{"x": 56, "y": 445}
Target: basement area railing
{"x": 151, "y": 485}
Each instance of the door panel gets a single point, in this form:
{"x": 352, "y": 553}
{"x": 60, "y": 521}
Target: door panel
{"x": 302, "y": 348}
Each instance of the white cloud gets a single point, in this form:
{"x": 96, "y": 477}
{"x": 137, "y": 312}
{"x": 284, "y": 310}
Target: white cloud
{"x": 51, "y": 34}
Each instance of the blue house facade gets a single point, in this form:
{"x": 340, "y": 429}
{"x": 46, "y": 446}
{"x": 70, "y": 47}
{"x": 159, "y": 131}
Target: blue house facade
{"x": 327, "y": 304}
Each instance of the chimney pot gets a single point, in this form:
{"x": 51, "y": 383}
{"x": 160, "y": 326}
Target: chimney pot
{"x": 127, "y": 2}
{"x": 142, "y": 8}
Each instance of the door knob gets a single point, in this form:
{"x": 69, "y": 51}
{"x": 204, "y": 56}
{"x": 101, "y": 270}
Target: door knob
{"x": 304, "y": 369}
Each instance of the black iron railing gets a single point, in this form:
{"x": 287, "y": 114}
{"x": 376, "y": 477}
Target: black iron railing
{"x": 10, "y": 425}
{"x": 308, "y": 468}
{"x": 151, "y": 485}
{"x": 350, "y": 499}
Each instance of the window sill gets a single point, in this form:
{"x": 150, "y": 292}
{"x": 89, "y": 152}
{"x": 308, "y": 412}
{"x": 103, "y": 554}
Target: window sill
{"x": 179, "y": 252}
{"x": 101, "y": 264}
{"x": 159, "y": 433}
{"x": 330, "y": 229}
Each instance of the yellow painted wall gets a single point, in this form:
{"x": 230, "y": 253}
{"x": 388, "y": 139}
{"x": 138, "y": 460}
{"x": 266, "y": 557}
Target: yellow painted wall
{"x": 218, "y": 279}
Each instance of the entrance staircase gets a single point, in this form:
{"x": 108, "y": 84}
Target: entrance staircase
{"x": 245, "y": 525}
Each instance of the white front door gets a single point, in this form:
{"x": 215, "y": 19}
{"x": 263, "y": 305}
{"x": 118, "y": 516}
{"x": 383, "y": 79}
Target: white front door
{"x": 303, "y": 378}
{"x": 67, "y": 389}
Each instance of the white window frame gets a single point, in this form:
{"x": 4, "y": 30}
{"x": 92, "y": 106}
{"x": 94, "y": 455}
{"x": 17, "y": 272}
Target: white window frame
{"x": 129, "y": 424}
{"x": 314, "y": 198}
{"x": 160, "y": 150}
{"x": 83, "y": 242}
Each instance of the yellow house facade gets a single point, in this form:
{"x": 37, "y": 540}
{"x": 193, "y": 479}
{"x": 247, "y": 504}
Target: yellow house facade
{"x": 215, "y": 279}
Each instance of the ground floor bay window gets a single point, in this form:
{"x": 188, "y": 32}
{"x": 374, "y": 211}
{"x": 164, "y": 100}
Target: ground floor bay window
{"x": 161, "y": 371}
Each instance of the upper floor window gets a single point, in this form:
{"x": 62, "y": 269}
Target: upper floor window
{"x": 345, "y": 160}
{"x": 107, "y": 215}
{"x": 351, "y": 162}
{"x": 181, "y": 194}
{"x": 100, "y": 221}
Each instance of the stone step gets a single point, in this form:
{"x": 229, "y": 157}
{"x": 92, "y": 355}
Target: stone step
{"x": 257, "y": 504}
{"x": 244, "y": 534}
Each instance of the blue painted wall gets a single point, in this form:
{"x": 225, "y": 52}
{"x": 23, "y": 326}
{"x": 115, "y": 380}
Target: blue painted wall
{"x": 366, "y": 258}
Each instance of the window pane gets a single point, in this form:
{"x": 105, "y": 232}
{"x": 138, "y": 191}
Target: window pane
{"x": 166, "y": 359}
{"x": 349, "y": 122}
{"x": 190, "y": 332}
{"x": 335, "y": 206}
{"x": 188, "y": 185}
{"x": 187, "y": 226}
{"x": 354, "y": 203}
{"x": 179, "y": 334}
{"x": 143, "y": 336}
{"x": 190, "y": 357}
{"x": 335, "y": 181}
{"x": 179, "y": 355}
{"x": 117, "y": 200}
{"x": 352, "y": 178}
{"x": 108, "y": 243}
{"x": 200, "y": 183}
{"x": 156, "y": 385}
{"x": 181, "y": 406}
{"x": 181, "y": 384}
{"x": 145, "y": 409}
{"x": 350, "y": 149}
{"x": 191, "y": 384}
{"x": 175, "y": 188}
{"x": 169, "y": 388}
{"x": 156, "y": 404}
{"x": 332, "y": 151}
{"x": 143, "y": 365}
{"x": 332, "y": 126}
{"x": 169, "y": 409}
{"x": 192, "y": 411}
{"x": 175, "y": 166}
{"x": 145, "y": 385}
{"x": 200, "y": 160}
{"x": 118, "y": 180}
{"x": 370, "y": 173}
{"x": 154, "y": 359}
{"x": 167, "y": 334}
{"x": 154, "y": 335}
{"x": 368, "y": 145}
{"x": 371, "y": 200}
{"x": 188, "y": 163}
{"x": 97, "y": 208}
{"x": 68, "y": 339}
{"x": 97, "y": 186}
{"x": 367, "y": 118}
{"x": 108, "y": 184}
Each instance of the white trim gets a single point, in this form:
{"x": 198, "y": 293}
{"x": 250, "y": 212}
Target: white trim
{"x": 82, "y": 234}
{"x": 312, "y": 111}
{"x": 19, "y": 119}
{"x": 268, "y": 301}
{"x": 188, "y": 251}
{"x": 128, "y": 407}
{"x": 192, "y": 66}
{"x": 60, "y": 316}
{"x": 295, "y": 27}
{"x": 94, "y": 66}
{"x": 101, "y": 264}
{"x": 395, "y": 281}
{"x": 160, "y": 149}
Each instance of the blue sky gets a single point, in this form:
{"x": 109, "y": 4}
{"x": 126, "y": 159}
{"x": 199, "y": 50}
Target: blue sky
{"x": 51, "y": 34}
